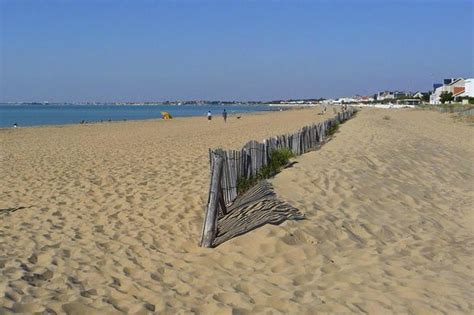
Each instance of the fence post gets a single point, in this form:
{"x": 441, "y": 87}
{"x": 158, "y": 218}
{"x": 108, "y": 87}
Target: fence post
{"x": 209, "y": 230}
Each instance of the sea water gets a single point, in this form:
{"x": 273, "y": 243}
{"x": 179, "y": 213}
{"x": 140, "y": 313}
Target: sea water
{"x": 38, "y": 115}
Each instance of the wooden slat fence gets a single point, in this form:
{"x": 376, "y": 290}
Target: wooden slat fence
{"x": 227, "y": 167}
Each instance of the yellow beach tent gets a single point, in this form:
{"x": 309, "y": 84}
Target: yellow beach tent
{"x": 166, "y": 115}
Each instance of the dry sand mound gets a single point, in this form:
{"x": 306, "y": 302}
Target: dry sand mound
{"x": 113, "y": 212}
{"x": 389, "y": 204}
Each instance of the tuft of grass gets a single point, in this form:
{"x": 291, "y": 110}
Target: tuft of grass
{"x": 244, "y": 184}
{"x": 332, "y": 130}
{"x": 278, "y": 159}
{"x": 386, "y": 117}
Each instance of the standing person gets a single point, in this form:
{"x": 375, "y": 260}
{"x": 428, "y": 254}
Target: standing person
{"x": 209, "y": 115}
{"x": 224, "y": 114}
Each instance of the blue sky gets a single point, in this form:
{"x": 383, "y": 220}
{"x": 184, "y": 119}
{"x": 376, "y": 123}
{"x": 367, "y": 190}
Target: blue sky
{"x": 146, "y": 50}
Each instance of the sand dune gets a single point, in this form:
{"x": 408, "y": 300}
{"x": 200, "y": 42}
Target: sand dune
{"x": 389, "y": 206}
{"x": 113, "y": 214}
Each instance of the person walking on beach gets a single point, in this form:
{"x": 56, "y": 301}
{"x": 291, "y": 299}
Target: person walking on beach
{"x": 224, "y": 115}
{"x": 209, "y": 115}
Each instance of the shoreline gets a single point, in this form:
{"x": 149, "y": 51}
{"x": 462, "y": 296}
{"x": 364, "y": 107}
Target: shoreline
{"x": 215, "y": 117}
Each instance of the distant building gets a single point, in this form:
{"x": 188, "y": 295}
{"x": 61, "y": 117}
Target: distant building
{"x": 418, "y": 94}
{"x": 409, "y": 101}
{"x": 467, "y": 91}
{"x": 454, "y": 86}
{"x": 385, "y": 95}
{"x": 437, "y": 90}
{"x": 457, "y": 86}
{"x": 346, "y": 100}
{"x": 363, "y": 99}
{"x": 401, "y": 94}
{"x": 421, "y": 95}
{"x": 391, "y": 95}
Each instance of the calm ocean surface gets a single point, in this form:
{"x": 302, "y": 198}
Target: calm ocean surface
{"x": 37, "y": 115}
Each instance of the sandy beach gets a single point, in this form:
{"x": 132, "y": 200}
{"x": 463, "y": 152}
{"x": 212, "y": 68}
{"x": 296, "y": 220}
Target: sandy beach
{"x": 110, "y": 217}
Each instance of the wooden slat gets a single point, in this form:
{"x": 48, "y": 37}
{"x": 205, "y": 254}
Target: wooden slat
{"x": 209, "y": 231}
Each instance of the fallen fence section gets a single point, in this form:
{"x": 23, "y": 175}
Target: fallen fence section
{"x": 256, "y": 207}
{"x": 226, "y": 215}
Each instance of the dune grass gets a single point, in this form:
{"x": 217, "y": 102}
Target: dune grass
{"x": 278, "y": 159}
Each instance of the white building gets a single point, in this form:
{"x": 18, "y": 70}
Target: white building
{"x": 418, "y": 94}
{"x": 455, "y": 86}
{"x": 435, "y": 96}
{"x": 468, "y": 89}
{"x": 386, "y": 95}
{"x": 346, "y": 100}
